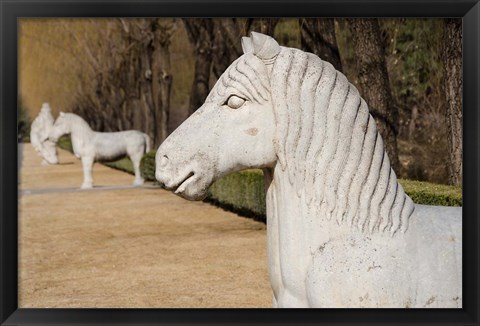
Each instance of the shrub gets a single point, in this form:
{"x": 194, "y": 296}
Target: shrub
{"x": 241, "y": 192}
{"x": 65, "y": 143}
{"x": 432, "y": 194}
{"x": 147, "y": 166}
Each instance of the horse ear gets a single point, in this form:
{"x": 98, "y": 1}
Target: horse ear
{"x": 264, "y": 46}
{"x": 247, "y": 45}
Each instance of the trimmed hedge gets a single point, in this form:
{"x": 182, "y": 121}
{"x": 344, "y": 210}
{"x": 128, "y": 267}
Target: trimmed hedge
{"x": 241, "y": 192}
{"x": 244, "y": 192}
{"x": 147, "y": 166}
{"x": 65, "y": 143}
{"x": 432, "y": 194}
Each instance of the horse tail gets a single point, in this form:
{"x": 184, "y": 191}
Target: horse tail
{"x": 148, "y": 143}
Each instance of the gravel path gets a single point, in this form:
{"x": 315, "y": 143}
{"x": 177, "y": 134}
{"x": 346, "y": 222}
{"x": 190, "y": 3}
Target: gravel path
{"x": 118, "y": 246}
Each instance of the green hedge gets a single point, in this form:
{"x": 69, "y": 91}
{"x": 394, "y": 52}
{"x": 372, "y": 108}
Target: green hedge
{"x": 432, "y": 194}
{"x": 65, "y": 143}
{"x": 147, "y": 166}
{"x": 244, "y": 192}
{"x": 241, "y": 192}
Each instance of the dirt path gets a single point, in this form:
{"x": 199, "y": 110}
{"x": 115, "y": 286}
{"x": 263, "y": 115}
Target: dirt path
{"x": 123, "y": 247}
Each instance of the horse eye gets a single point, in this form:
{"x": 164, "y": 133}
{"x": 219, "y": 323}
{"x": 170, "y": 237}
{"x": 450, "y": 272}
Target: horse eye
{"x": 235, "y": 102}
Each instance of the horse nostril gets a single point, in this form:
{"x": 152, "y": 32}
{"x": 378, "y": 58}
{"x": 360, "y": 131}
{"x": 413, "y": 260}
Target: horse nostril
{"x": 163, "y": 161}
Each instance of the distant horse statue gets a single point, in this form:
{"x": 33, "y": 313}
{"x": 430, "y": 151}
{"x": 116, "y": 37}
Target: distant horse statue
{"x": 91, "y": 146}
{"x": 341, "y": 231}
{"x": 39, "y": 131}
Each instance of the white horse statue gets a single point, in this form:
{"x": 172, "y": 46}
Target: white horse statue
{"x": 39, "y": 131}
{"x": 91, "y": 146}
{"x": 341, "y": 231}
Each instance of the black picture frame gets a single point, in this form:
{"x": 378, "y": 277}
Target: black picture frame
{"x": 11, "y": 10}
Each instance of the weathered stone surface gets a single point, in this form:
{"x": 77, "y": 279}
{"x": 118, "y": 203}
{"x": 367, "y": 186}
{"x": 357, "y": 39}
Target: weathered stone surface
{"x": 341, "y": 230}
{"x": 91, "y": 146}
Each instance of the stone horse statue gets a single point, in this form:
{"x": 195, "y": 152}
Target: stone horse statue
{"x": 91, "y": 146}
{"x": 39, "y": 131}
{"x": 341, "y": 231}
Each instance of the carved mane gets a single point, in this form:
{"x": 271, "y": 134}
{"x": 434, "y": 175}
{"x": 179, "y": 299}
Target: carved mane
{"x": 328, "y": 145}
{"x": 77, "y": 123}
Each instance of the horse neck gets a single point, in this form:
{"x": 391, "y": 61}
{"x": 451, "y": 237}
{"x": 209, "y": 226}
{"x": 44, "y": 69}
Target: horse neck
{"x": 289, "y": 216}
{"x": 79, "y": 128}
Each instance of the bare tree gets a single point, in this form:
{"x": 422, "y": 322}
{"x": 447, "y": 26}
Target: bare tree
{"x": 161, "y": 76}
{"x": 129, "y": 81}
{"x": 232, "y": 34}
{"x": 199, "y": 32}
{"x": 262, "y": 25}
{"x": 452, "y": 67}
{"x": 374, "y": 82}
{"x": 149, "y": 40}
{"x": 318, "y": 37}
{"x": 216, "y": 44}
{"x": 227, "y": 34}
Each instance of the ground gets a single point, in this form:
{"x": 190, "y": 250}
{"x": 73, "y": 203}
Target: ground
{"x": 125, "y": 247}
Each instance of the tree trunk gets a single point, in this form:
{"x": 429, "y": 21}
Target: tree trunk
{"x": 132, "y": 79}
{"x": 221, "y": 52}
{"x": 146, "y": 90}
{"x": 161, "y": 80}
{"x": 452, "y": 67}
{"x": 199, "y": 32}
{"x": 232, "y": 36}
{"x": 412, "y": 123}
{"x": 374, "y": 83}
{"x": 318, "y": 37}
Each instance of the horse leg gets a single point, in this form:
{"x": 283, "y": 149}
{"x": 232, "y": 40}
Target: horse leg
{"x": 87, "y": 163}
{"x": 136, "y": 158}
{"x": 274, "y": 301}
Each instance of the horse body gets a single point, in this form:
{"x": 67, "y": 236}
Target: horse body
{"x": 341, "y": 231}
{"x": 91, "y": 146}
{"x": 108, "y": 147}
{"x": 39, "y": 131}
{"x": 347, "y": 268}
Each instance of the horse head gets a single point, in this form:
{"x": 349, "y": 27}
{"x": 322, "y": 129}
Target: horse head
{"x": 233, "y": 130}
{"x": 49, "y": 153}
{"x": 283, "y": 105}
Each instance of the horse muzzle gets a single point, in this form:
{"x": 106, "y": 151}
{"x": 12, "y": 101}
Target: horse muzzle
{"x": 51, "y": 160}
{"x": 183, "y": 179}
